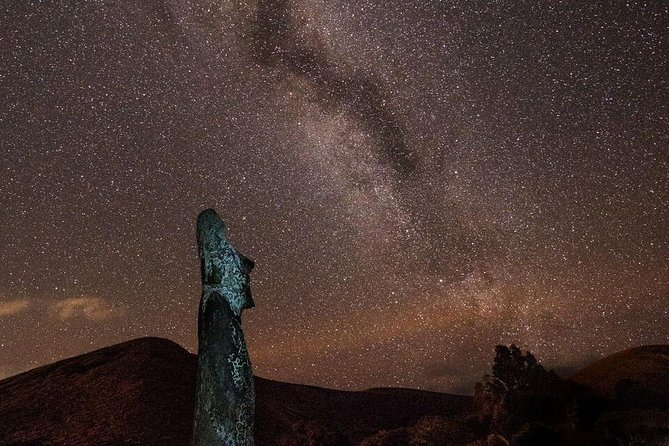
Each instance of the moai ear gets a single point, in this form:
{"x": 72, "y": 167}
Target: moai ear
{"x": 211, "y": 240}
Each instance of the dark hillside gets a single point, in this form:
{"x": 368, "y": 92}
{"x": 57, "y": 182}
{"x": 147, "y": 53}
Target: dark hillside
{"x": 141, "y": 392}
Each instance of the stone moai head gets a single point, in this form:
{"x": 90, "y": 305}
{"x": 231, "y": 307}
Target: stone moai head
{"x": 222, "y": 266}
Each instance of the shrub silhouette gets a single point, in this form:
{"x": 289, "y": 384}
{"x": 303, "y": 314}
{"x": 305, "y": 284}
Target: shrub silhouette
{"x": 521, "y": 391}
{"x": 430, "y": 431}
{"x": 313, "y": 433}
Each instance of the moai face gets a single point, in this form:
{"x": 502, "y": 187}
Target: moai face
{"x": 222, "y": 266}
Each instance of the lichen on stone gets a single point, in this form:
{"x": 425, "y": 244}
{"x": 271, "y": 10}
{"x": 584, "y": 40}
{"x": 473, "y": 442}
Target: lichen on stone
{"x": 225, "y": 396}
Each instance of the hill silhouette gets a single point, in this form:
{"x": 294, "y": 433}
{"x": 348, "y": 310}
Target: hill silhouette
{"x": 638, "y": 375}
{"x": 142, "y": 392}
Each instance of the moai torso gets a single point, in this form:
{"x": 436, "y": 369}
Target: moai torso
{"x": 225, "y": 397}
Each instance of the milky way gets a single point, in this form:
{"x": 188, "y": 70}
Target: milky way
{"x": 416, "y": 181}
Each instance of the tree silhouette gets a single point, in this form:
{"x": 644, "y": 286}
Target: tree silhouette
{"x": 520, "y": 391}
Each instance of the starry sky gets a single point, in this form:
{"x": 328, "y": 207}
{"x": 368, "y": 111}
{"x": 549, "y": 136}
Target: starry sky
{"x": 417, "y": 181}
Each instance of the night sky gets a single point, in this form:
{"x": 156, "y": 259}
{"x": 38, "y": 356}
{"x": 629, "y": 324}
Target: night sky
{"x": 416, "y": 181}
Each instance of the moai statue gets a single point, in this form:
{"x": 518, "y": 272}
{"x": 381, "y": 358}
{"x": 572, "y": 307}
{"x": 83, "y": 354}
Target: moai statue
{"x": 225, "y": 396}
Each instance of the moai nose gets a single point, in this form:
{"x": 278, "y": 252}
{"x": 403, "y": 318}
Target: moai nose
{"x": 246, "y": 263}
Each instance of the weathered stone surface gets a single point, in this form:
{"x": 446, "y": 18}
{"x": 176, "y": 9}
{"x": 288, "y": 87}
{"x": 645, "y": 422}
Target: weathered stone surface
{"x": 225, "y": 396}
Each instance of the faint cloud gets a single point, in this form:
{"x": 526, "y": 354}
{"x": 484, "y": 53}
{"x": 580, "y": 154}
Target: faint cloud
{"x": 93, "y": 308}
{"x": 567, "y": 370}
{"x": 4, "y": 373}
{"x": 10, "y": 370}
{"x": 441, "y": 376}
{"x": 440, "y": 369}
{"x": 12, "y": 307}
